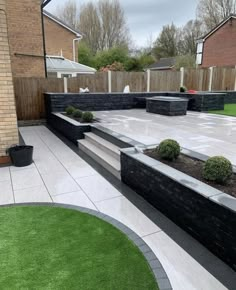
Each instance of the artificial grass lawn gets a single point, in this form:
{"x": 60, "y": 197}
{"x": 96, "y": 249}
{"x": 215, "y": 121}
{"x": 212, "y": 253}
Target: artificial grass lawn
{"x": 55, "y": 248}
{"x": 230, "y": 110}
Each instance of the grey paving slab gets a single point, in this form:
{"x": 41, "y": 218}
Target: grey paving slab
{"x": 206, "y": 133}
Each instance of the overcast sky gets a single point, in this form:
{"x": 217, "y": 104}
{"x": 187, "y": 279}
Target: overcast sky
{"x": 145, "y": 18}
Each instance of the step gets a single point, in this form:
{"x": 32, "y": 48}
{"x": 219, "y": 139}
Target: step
{"x": 106, "y": 160}
{"x": 103, "y": 144}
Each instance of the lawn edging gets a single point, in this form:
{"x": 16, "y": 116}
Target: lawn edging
{"x": 208, "y": 214}
{"x": 153, "y": 262}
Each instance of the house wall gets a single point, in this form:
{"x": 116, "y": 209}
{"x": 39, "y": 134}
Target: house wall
{"x": 59, "y": 39}
{"x": 25, "y": 38}
{"x": 8, "y": 122}
{"x": 219, "y": 48}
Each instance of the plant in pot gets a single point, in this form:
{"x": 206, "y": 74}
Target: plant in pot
{"x": 21, "y": 155}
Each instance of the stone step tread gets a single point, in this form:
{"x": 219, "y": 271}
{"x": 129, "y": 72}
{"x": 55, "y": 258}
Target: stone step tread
{"x": 109, "y": 159}
{"x": 103, "y": 142}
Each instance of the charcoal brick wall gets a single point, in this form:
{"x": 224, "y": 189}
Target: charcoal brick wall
{"x": 69, "y": 130}
{"x": 168, "y": 108}
{"x": 210, "y": 223}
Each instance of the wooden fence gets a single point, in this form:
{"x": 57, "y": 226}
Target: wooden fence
{"x": 29, "y": 91}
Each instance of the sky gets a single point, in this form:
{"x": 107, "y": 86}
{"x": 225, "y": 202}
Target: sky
{"x": 145, "y": 19}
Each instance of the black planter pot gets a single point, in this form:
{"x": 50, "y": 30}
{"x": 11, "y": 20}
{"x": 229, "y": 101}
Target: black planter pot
{"x": 21, "y": 155}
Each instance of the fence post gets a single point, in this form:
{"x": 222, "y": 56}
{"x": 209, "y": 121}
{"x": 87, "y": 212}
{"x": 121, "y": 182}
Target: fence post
{"x": 109, "y": 82}
{"x": 65, "y": 85}
{"x": 210, "y": 78}
{"x": 148, "y": 80}
{"x": 181, "y": 76}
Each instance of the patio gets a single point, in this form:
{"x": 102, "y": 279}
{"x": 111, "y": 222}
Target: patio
{"x": 59, "y": 175}
{"x": 205, "y": 133}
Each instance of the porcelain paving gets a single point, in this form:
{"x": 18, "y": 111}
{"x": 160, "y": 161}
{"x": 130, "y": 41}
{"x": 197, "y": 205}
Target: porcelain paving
{"x": 64, "y": 179}
{"x": 6, "y": 193}
{"x": 60, "y": 182}
{"x": 80, "y": 168}
{"x": 206, "y": 133}
{"x": 4, "y": 174}
{"x": 97, "y": 188}
{"x": 78, "y": 198}
{"x": 26, "y": 178}
{"x": 33, "y": 194}
{"x": 123, "y": 210}
{"x": 14, "y": 168}
{"x": 183, "y": 271}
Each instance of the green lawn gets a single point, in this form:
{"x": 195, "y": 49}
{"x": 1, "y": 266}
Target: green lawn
{"x": 230, "y": 110}
{"x": 53, "y": 248}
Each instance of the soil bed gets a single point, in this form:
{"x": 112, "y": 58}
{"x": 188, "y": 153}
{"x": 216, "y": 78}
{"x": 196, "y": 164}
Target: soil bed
{"x": 194, "y": 167}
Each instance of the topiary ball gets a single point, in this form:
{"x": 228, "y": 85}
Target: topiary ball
{"x": 77, "y": 113}
{"x": 182, "y": 89}
{"x": 70, "y": 110}
{"x": 218, "y": 169}
{"x": 87, "y": 117}
{"x": 169, "y": 149}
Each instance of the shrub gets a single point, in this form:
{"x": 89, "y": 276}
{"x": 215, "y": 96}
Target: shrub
{"x": 77, "y": 113}
{"x": 182, "y": 89}
{"x": 169, "y": 149}
{"x": 218, "y": 169}
{"x": 70, "y": 110}
{"x": 87, "y": 117}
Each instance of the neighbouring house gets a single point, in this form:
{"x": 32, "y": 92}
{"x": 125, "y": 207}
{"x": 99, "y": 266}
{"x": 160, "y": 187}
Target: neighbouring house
{"x": 58, "y": 66}
{"x": 218, "y": 47}
{"x": 33, "y": 35}
{"x": 163, "y": 64}
{"x": 60, "y": 38}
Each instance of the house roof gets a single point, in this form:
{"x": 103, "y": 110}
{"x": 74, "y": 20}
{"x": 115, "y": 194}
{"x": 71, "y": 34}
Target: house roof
{"x": 217, "y": 27}
{"x": 163, "y": 63}
{"x": 62, "y": 23}
{"x": 61, "y": 64}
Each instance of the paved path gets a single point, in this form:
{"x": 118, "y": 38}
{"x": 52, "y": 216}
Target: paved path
{"x": 60, "y": 175}
{"x": 206, "y": 133}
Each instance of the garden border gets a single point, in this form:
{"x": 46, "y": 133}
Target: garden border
{"x": 160, "y": 275}
{"x": 208, "y": 214}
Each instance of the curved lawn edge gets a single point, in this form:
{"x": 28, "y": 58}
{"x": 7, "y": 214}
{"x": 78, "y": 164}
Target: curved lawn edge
{"x": 160, "y": 275}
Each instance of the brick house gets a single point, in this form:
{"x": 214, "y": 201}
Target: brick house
{"x": 26, "y": 34}
{"x": 60, "y": 38}
{"x": 218, "y": 47}
{"x": 8, "y": 120}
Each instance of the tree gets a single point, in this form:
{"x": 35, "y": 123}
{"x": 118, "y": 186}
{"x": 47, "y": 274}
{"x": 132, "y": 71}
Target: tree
{"x": 212, "y": 12}
{"x": 85, "y": 55}
{"x": 103, "y": 25}
{"x": 189, "y": 35}
{"x": 69, "y": 13}
{"x": 188, "y": 61}
{"x": 167, "y": 44}
{"x": 108, "y": 57}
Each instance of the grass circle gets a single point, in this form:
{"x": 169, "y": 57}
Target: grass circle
{"x": 55, "y": 248}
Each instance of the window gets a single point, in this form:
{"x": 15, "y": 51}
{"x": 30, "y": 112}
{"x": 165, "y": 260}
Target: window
{"x": 199, "y": 53}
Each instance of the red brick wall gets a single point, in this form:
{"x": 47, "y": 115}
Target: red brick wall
{"x": 59, "y": 39}
{"x": 220, "y": 48}
{"x": 25, "y": 38}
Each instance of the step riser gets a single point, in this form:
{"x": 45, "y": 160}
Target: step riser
{"x": 99, "y": 160}
{"x": 104, "y": 148}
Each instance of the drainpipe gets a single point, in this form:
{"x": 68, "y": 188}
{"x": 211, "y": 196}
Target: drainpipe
{"x": 45, "y": 2}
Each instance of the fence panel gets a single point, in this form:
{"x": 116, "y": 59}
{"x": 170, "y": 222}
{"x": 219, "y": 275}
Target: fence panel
{"x": 136, "y": 80}
{"x": 29, "y": 96}
{"x": 164, "y": 81}
{"x": 96, "y": 83}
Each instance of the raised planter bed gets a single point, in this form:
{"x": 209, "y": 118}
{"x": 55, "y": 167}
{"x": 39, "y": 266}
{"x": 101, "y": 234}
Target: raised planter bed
{"x": 70, "y": 128}
{"x": 208, "y": 214}
{"x": 168, "y": 106}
